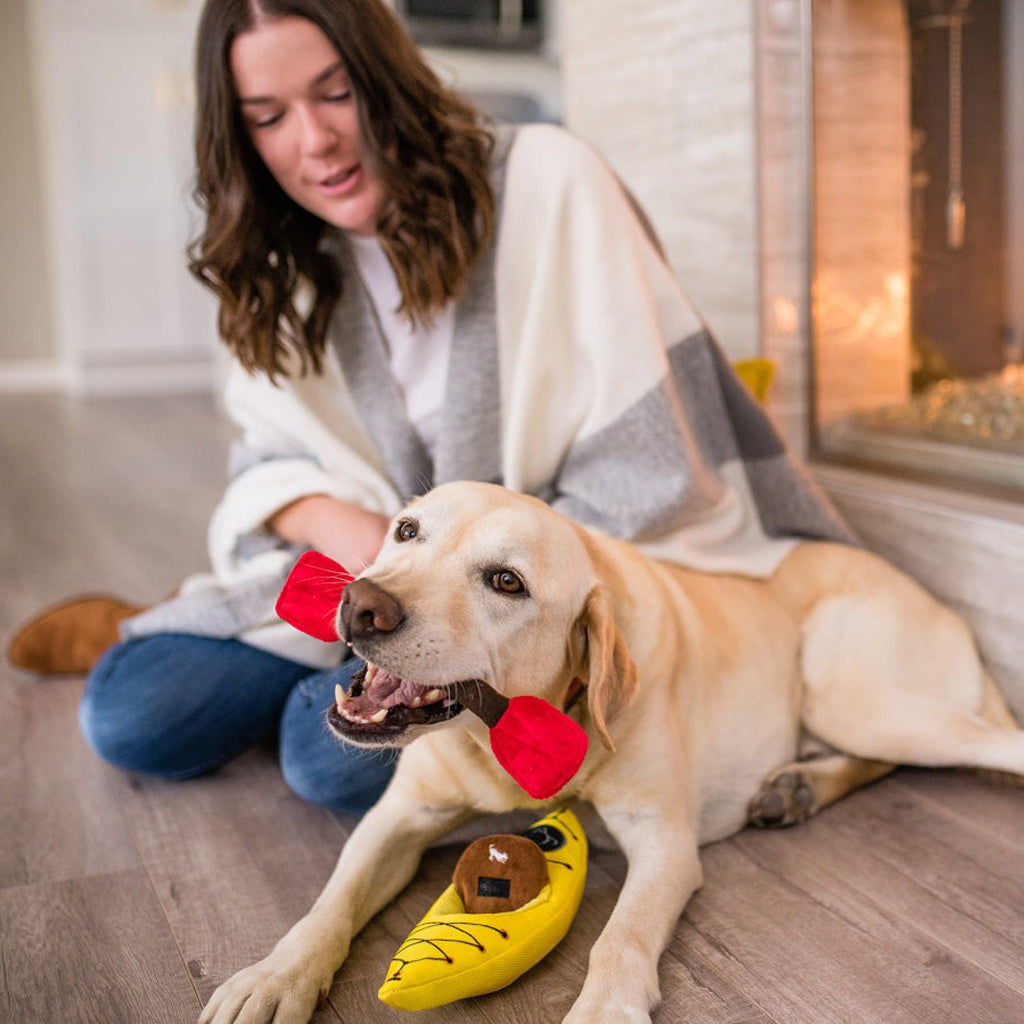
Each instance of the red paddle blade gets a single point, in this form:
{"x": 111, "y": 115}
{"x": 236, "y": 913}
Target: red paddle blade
{"x": 310, "y": 596}
{"x": 541, "y": 748}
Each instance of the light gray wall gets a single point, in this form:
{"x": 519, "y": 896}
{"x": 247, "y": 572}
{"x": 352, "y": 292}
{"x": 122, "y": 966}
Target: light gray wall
{"x": 665, "y": 89}
{"x": 26, "y": 331}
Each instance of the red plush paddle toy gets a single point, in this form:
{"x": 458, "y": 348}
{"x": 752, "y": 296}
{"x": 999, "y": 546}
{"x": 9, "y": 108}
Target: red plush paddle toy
{"x": 539, "y": 746}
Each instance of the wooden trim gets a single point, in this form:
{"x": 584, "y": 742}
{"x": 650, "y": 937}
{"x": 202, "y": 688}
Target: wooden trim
{"x": 907, "y": 493}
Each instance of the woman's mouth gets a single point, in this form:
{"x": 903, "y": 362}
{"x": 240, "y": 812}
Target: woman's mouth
{"x": 340, "y": 182}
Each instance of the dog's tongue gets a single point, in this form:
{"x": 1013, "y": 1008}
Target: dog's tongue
{"x": 387, "y": 690}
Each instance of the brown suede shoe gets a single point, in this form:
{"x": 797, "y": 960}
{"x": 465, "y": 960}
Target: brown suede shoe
{"x": 70, "y": 637}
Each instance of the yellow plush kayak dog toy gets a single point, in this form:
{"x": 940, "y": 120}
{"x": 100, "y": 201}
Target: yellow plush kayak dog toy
{"x": 511, "y": 901}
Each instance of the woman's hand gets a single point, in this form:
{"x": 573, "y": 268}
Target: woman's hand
{"x": 342, "y": 531}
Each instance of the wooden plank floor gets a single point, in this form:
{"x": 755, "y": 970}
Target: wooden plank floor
{"x": 126, "y": 900}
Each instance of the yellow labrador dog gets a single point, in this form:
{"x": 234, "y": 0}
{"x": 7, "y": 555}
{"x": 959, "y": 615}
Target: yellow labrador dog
{"x": 698, "y": 691}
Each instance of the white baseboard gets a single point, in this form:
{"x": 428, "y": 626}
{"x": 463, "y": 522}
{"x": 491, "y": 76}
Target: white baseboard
{"x": 40, "y": 376}
{"x": 30, "y": 376}
{"x": 157, "y": 379}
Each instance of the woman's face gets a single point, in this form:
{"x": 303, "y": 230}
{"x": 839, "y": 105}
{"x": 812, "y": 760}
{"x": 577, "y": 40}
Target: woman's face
{"x": 300, "y": 111}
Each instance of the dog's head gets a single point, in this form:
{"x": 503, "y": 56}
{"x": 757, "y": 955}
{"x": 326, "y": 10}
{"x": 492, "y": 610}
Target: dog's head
{"x": 476, "y": 582}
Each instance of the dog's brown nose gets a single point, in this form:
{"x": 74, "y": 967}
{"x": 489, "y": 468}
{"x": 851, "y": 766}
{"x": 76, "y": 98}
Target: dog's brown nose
{"x": 367, "y": 608}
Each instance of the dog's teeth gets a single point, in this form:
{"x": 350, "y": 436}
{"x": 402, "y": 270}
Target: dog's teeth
{"x": 371, "y": 671}
{"x": 356, "y": 719}
{"x": 339, "y": 694}
{"x": 426, "y": 698}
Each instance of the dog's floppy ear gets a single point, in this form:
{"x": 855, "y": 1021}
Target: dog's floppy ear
{"x": 608, "y": 670}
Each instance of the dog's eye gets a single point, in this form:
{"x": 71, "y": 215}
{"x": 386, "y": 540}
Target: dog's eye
{"x": 407, "y": 529}
{"x": 507, "y": 582}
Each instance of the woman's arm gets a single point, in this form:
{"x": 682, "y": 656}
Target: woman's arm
{"x": 342, "y": 531}
{"x": 300, "y": 439}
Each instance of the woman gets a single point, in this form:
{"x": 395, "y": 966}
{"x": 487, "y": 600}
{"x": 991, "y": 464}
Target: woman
{"x": 412, "y": 296}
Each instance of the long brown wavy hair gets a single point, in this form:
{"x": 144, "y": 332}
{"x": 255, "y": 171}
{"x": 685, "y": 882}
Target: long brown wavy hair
{"x": 259, "y": 250}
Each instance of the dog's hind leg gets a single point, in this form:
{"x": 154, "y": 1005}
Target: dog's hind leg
{"x": 994, "y": 709}
{"x": 932, "y": 735}
{"x": 891, "y": 675}
{"x": 916, "y": 729}
{"x": 794, "y": 792}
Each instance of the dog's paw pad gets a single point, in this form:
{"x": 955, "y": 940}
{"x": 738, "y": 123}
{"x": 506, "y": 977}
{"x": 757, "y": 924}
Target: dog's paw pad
{"x": 785, "y": 799}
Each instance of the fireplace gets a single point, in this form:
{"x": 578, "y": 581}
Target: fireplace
{"x": 778, "y": 153}
{"x": 917, "y": 236}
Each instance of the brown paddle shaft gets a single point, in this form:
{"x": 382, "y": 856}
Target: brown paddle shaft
{"x": 482, "y": 699}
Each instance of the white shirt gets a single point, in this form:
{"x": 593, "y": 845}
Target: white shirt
{"x": 418, "y": 353}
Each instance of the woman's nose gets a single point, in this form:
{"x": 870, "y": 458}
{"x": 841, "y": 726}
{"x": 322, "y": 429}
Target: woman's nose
{"x": 318, "y": 135}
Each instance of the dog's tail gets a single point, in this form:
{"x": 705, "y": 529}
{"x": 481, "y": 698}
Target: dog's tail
{"x": 995, "y": 709}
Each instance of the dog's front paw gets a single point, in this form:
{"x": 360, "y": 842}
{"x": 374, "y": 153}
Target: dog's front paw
{"x": 610, "y": 1011}
{"x": 784, "y": 799}
{"x": 281, "y": 989}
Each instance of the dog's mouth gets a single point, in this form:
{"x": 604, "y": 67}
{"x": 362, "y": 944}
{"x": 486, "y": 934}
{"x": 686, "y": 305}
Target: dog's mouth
{"x": 380, "y": 706}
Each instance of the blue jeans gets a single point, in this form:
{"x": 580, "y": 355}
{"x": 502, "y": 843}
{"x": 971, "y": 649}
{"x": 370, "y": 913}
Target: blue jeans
{"x": 177, "y": 705}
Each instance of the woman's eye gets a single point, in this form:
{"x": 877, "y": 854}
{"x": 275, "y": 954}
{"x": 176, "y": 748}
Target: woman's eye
{"x": 265, "y": 122}
{"x": 407, "y": 529}
{"x": 507, "y": 582}
{"x": 339, "y": 97}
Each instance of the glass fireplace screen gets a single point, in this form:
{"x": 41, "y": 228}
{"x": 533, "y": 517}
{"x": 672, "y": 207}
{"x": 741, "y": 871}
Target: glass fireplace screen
{"x": 918, "y": 272}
